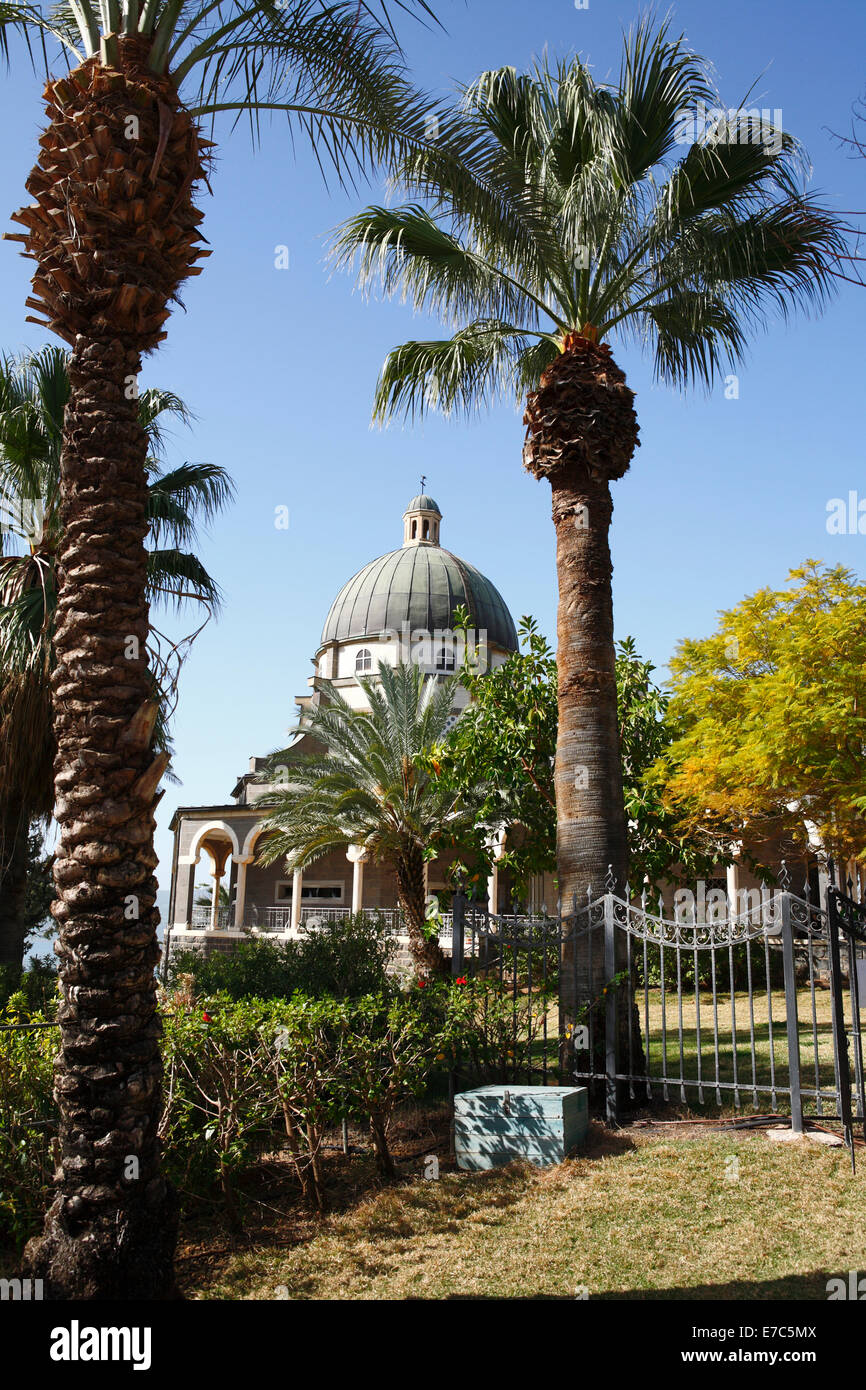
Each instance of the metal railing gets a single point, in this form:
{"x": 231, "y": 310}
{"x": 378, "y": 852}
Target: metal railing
{"x": 742, "y": 1008}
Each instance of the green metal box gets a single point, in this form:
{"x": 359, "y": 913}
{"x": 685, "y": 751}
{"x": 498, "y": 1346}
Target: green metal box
{"x": 496, "y": 1124}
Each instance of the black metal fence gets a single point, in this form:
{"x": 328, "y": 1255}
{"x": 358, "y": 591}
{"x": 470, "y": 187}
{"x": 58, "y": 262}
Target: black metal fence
{"x": 757, "y": 1008}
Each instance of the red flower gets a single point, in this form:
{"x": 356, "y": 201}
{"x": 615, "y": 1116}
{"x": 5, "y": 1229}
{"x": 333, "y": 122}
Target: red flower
{"x": 461, "y": 980}
{"x": 422, "y": 984}
{"x": 207, "y": 1018}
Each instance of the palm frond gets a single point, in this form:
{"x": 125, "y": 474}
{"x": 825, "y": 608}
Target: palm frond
{"x": 454, "y": 376}
{"x": 175, "y": 577}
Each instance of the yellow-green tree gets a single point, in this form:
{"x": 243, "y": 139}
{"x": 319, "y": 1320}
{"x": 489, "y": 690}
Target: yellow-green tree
{"x": 772, "y": 714}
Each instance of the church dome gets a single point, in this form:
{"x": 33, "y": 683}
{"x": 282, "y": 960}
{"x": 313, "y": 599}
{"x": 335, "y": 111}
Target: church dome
{"x": 420, "y": 585}
{"x": 423, "y": 503}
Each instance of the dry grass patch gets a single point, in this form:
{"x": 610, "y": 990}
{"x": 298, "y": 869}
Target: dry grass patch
{"x": 638, "y": 1216}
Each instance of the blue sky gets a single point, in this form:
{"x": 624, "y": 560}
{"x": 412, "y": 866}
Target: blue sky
{"x": 279, "y": 366}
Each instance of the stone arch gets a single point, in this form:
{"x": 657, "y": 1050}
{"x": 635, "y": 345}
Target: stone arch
{"x": 207, "y": 829}
{"x": 249, "y": 845}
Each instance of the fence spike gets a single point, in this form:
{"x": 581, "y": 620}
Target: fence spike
{"x": 609, "y": 880}
{"x": 784, "y": 878}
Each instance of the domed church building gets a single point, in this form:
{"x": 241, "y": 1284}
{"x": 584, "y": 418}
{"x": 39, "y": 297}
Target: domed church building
{"x": 399, "y": 607}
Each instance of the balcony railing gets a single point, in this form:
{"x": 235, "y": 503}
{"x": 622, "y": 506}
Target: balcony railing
{"x": 269, "y": 918}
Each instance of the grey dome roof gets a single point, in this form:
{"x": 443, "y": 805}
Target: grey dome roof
{"x": 421, "y": 585}
{"x": 423, "y": 503}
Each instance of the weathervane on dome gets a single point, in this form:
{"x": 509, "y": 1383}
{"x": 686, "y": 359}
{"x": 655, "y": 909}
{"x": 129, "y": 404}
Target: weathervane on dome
{"x": 423, "y": 482}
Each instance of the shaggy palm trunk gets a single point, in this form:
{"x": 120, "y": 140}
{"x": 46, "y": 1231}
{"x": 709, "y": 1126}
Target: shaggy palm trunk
{"x": 427, "y": 952}
{"x": 113, "y": 232}
{"x": 581, "y": 434}
{"x": 13, "y": 884}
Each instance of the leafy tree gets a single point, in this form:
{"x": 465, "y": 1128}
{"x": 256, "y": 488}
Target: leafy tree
{"x": 40, "y": 889}
{"x": 115, "y": 231}
{"x": 507, "y": 738}
{"x": 373, "y": 786}
{"x": 586, "y": 213}
{"x": 772, "y": 715}
{"x": 505, "y": 741}
{"x": 34, "y": 391}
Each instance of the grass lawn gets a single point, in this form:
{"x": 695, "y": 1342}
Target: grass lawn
{"x": 643, "y": 1214}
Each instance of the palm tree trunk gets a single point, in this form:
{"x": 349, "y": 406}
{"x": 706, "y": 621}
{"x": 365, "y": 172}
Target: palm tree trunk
{"x": 114, "y": 232}
{"x": 581, "y": 434}
{"x": 14, "y": 830}
{"x": 409, "y": 868}
{"x": 111, "y": 1229}
{"x": 591, "y": 823}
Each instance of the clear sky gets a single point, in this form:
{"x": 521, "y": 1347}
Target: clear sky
{"x": 279, "y": 366}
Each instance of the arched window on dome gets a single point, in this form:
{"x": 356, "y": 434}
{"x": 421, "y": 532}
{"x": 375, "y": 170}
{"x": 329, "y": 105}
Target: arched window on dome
{"x": 445, "y": 659}
{"x": 414, "y": 530}
{"x": 426, "y": 530}
{"x": 363, "y": 661}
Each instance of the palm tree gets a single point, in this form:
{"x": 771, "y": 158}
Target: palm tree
{"x": 372, "y": 786}
{"x": 115, "y": 232}
{"x": 34, "y": 389}
{"x": 588, "y": 213}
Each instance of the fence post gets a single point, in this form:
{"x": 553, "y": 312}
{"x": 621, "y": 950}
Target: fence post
{"x": 458, "y": 923}
{"x": 791, "y": 1020}
{"x": 458, "y": 920}
{"x": 610, "y": 1012}
{"x": 840, "y": 1037}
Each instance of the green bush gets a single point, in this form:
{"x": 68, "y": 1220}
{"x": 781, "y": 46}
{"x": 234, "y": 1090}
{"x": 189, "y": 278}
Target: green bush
{"x": 711, "y": 963}
{"x": 345, "y": 959}
{"x": 33, "y": 988}
{"x": 28, "y": 1120}
{"x": 234, "y": 1067}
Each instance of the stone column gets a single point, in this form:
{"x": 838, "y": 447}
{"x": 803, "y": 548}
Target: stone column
{"x": 215, "y": 898}
{"x": 357, "y": 857}
{"x": 297, "y": 890}
{"x": 493, "y": 890}
{"x": 241, "y": 890}
{"x": 496, "y": 844}
{"x": 733, "y": 874}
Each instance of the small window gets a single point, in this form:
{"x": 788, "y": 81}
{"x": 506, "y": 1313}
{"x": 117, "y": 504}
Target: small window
{"x": 363, "y": 661}
{"x": 311, "y": 892}
{"x": 426, "y": 530}
{"x": 414, "y": 530}
{"x": 445, "y": 659}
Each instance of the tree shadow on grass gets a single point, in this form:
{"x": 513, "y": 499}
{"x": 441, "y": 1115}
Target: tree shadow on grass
{"x": 810, "y": 1287}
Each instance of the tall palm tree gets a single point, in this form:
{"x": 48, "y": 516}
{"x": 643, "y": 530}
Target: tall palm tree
{"x": 34, "y": 388}
{"x": 589, "y": 213}
{"x": 371, "y": 786}
{"x": 32, "y": 396}
{"x": 115, "y": 232}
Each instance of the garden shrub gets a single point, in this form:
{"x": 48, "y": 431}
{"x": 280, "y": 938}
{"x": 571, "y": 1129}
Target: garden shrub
{"x": 233, "y": 1067}
{"x": 28, "y": 1120}
{"x": 36, "y": 986}
{"x": 492, "y": 1027}
{"x": 723, "y": 973}
{"x": 344, "y": 958}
